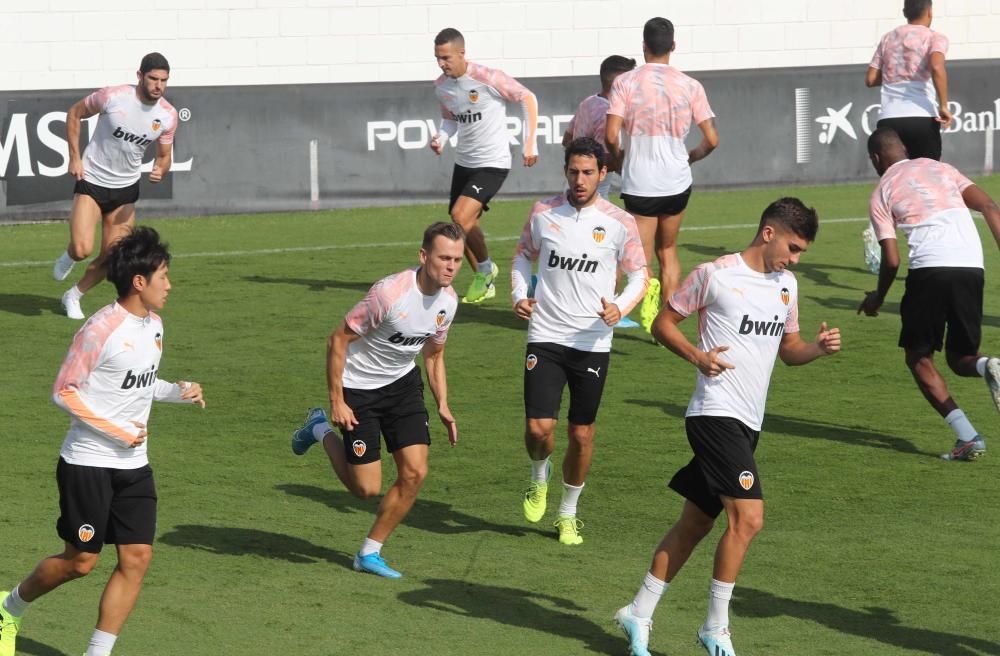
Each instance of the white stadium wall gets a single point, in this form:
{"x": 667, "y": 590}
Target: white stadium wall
{"x": 74, "y": 44}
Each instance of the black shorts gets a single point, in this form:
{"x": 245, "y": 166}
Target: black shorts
{"x": 939, "y": 296}
{"x": 549, "y": 367}
{"x": 723, "y": 463}
{"x": 481, "y": 184}
{"x": 395, "y": 411}
{"x": 657, "y": 205}
{"x": 107, "y": 198}
{"x": 920, "y": 134}
{"x": 100, "y": 505}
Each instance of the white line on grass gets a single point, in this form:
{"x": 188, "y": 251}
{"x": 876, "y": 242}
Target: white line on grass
{"x": 390, "y": 244}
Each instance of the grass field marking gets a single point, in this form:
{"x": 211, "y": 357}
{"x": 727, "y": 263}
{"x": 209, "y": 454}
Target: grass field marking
{"x": 390, "y": 244}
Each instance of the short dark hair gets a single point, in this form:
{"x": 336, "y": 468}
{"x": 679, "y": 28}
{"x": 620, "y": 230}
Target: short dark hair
{"x": 139, "y": 253}
{"x": 449, "y": 35}
{"x": 154, "y": 61}
{"x": 586, "y": 147}
{"x": 613, "y": 66}
{"x": 446, "y": 229}
{"x": 884, "y": 139}
{"x": 791, "y": 214}
{"x": 658, "y": 35}
{"x": 914, "y": 9}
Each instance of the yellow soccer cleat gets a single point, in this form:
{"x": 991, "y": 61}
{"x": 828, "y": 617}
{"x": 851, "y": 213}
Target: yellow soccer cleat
{"x": 650, "y": 305}
{"x": 534, "y": 501}
{"x": 9, "y": 626}
{"x": 569, "y": 529}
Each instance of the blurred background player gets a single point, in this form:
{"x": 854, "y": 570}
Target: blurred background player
{"x": 747, "y": 306}
{"x": 107, "y": 176}
{"x": 654, "y": 106}
{"x": 107, "y": 385}
{"x": 473, "y": 105}
{"x": 929, "y": 202}
{"x": 909, "y": 65}
{"x": 376, "y": 390}
{"x": 579, "y": 240}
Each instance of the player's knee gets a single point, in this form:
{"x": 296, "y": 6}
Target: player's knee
{"x": 366, "y": 490}
{"x": 81, "y": 565}
{"x": 80, "y": 250}
{"x": 582, "y": 436}
{"x": 136, "y": 560}
{"x": 412, "y": 477}
{"x": 749, "y": 524}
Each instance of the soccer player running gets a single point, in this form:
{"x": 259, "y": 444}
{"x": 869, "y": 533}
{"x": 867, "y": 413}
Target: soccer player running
{"x": 473, "y": 105}
{"x": 579, "y": 240}
{"x": 655, "y": 106}
{"x": 747, "y": 305}
{"x": 929, "y": 202}
{"x": 107, "y": 385}
{"x": 107, "y": 176}
{"x": 376, "y": 389}
{"x": 909, "y": 65}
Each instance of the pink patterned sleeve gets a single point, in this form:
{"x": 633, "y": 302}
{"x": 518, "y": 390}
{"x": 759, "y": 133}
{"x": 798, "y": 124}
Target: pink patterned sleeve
{"x": 167, "y": 137}
{"x": 792, "y": 322}
{"x": 880, "y": 215}
{"x": 446, "y": 113}
{"x": 618, "y": 97}
{"x": 690, "y": 296}
{"x": 700, "y": 109}
{"x": 369, "y": 312}
{"x": 939, "y": 43}
{"x": 876, "y": 61}
{"x": 441, "y": 336}
{"x": 96, "y": 101}
{"x": 506, "y": 86}
{"x": 960, "y": 181}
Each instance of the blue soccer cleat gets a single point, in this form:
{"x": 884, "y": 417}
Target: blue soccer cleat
{"x": 718, "y": 642}
{"x": 374, "y": 564}
{"x": 625, "y": 322}
{"x": 972, "y": 450}
{"x": 636, "y": 629}
{"x": 303, "y": 438}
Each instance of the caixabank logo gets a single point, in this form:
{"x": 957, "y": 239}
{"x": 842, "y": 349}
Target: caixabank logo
{"x": 820, "y": 125}
{"x": 34, "y": 155}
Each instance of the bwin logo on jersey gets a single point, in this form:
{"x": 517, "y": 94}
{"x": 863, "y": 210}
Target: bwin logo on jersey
{"x": 131, "y": 138}
{"x": 469, "y": 117}
{"x": 556, "y": 261}
{"x": 767, "y": 328}
{"x": 144, "y": 379}
{"x": 397, "y": 338}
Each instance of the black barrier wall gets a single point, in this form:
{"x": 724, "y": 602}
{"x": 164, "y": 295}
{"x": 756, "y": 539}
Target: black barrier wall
{"x": 246, "y": 149}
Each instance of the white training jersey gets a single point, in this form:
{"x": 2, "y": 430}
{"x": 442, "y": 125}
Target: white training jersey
{"x": 923, "y": 198}
{"x": 578, "y": 254}
{"x": 658, "y": 104}
{"x": 125, "y": 128}
{"x": 903, "y": 55}
{"x": 108, "y": 381}
{"x": 394, "y": 320}
{"x": 476, "y": 103}
{"x": 749, "y": 312}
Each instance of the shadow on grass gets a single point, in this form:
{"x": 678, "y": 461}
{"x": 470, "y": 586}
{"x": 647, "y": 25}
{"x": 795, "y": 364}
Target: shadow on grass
{"x": 495, "y": 312}
{"x": 818, "y": 273}
{"x": 877, "y": 624}
{"x": 29, "y": 305}
{"x": 30, "y": 647}
{"x": 853, "y": 435}
{"x": 518, "y": 608}
{"x": 232, "y": 541}
{"x": 888, "y": 308}
{"x": 432, "y": 516}
{"x": 311, "y": 284}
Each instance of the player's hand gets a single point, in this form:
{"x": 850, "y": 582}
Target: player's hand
{"x": 436, "y": 144}
{"x": 192, "y": 392}
{"x": 156, "y": 174}
{"x": 75, "y": 168}
{"x": 609, "y": 312}
{"x": 713, "y": 365}
{"x": 944, "y": 117}
{"x": 141, "y": 437}
{"x": 529, "y": 160}
{"x": 828, "y": 341}
{"x": 449, "y": 423}
{"x": 525, "y": 307}
{"x": 342, "y": 416}
{"x": 871, "y": 304}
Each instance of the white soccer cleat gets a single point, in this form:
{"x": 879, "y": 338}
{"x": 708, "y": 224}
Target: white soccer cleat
{"x": 72, "y": 305}
{"x": 993, "y": 379}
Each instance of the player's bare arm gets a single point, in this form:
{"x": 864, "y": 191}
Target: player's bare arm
{"x": 886, "y": 276}
{"x": 978, "y": 200}
{"x": 873, "y": 78}
{"x": 437, "y": 379}
{"x": 796, "y": 351}
{"x": 341, "y": 414}
{"x": 612, "y": 137}
{"x": 164, "y": 158}
{"x": 665, "y": 330}
{"x": 76, "y": 113}
{"x": 709, "y": 141}
{"x": 939, "y": 76}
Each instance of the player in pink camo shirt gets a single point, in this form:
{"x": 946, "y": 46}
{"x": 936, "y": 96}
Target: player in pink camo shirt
{"x": 909, "y": 66}
{"x": 929, "y": 202}
{"x": 107, "y": 176}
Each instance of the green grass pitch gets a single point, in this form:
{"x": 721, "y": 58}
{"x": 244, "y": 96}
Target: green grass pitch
{"x": 871, "y": 544}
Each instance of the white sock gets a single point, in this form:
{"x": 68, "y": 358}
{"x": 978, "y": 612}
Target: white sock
{"x": 961, "y": 425}
{"x": 101, "y": 643}
{"x": 65, "y": 261}
{"x": 370, "y": 546}
{"x": 981, "y": 366}
{"x": 13, "y": 604}
{"x": 648, "y": 596}
{"x": 570, "y": 497}
{"x": 540, "y": 470}
{"x": 486, "y": 266}
{"x": 320, "y": 431}
{"x": 75, "y": 292}
{"x": 719, "y": 594}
